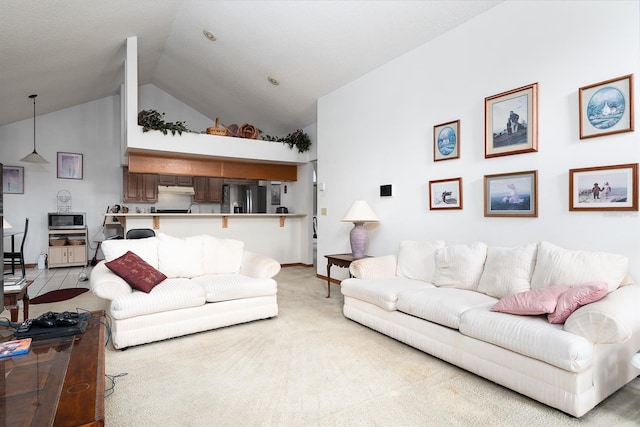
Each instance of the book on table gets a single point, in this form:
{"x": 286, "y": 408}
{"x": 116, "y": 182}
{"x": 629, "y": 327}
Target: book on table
{"x": 14, "y": 348}
{"x": 13, "y": 283}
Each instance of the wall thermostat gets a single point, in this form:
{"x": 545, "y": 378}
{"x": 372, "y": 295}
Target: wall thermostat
{"x": 385, "y": 190}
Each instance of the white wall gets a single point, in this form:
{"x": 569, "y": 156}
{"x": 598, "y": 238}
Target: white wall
{"x": 379, "y": 130}
{"x": 92, "y": 129}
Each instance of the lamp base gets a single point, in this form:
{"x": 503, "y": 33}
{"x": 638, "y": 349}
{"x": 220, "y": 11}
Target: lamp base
{"x": 359, "y": 239}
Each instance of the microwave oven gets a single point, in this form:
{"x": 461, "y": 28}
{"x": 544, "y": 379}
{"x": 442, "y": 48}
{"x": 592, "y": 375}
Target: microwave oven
{"x": 66, "y": 220}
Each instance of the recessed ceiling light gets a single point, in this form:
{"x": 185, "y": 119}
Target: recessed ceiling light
{"x": 209, "y": 35}
{"x": 273, "y": 81}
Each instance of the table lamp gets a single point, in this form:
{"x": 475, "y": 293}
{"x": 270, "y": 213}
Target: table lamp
{"x": 359, "y": 213}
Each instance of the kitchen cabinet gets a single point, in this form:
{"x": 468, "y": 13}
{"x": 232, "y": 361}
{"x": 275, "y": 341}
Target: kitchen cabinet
{"x": 179, "y": 180}
{"x": 207, "y": 189}
{"x": 72, "y": 250}
{"x": 139, "y": 187}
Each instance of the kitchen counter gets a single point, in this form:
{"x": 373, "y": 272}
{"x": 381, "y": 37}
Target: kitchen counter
{"x": 284, "y": 237}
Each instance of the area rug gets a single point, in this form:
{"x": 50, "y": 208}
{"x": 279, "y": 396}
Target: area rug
{"x": 58, "y": 295}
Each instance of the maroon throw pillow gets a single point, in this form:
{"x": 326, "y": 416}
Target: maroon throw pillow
{"x": 136, "y": 272}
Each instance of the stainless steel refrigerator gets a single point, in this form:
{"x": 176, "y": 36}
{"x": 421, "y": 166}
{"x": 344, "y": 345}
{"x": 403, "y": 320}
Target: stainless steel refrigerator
{"x": 254, "y": 198}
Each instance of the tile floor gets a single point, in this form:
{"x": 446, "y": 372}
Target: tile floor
{"x": 56, "y": 278}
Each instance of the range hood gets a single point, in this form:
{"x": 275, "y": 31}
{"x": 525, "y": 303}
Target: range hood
{"x": 174, "y": 189}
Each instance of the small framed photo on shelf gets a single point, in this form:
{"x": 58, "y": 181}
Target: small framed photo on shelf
{"x": 446, "y": 141}
{"x": 604, "y": 188}
{"x": 445, "y": 194}
{"x": 69, "y": 165}
{"x": 511, "y": 122}
{"x": 13, "y": 180}
{"x": 606, "y": 108}
{"x": 511, "y": 194}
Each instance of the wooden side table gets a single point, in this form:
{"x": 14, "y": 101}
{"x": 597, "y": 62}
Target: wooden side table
{"x": 340, "y": 260}
{"x": 11, "y": 298}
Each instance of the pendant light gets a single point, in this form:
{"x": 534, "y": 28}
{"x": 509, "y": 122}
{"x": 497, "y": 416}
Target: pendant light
{"x": 34, "y": 157}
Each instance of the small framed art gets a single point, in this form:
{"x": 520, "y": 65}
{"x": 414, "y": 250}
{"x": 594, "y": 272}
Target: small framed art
{"x": 604, "y": 188}
{"x": 606, "y": 107}
{"x": 445, "y": 194}
{"x": 13, "y": 180}
{"x": 69, "y": 165}
{"x": 275, "y": 193}
{"x": 446, "y": 141}
{"x": 511, "y": 122}
{"x": 511, "y": 194}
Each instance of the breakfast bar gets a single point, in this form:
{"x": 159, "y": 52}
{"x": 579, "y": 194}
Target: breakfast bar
{"x": 284, "y": 237}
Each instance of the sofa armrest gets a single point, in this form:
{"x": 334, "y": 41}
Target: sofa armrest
{"x": 106, "y": 284}
{"x": 374, "y": 268}
{"x": 258, "y": 266}
{"x": 613, "y": 319}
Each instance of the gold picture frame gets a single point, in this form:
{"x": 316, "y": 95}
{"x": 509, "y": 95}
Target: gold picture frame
{"x": 511, "y": 122}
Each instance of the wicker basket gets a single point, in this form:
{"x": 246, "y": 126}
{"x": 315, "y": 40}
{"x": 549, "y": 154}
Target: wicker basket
{"x": 217, "y": 130}
{"x": 76, "y": 242}
{"x": 58, "y": 241}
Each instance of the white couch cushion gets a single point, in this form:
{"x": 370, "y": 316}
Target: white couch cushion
{"x": 221, "y": 256}
{"x": 441, "y": 305}
{"x": 416, "y": 259}
{"x": 169, "y": 295}
{"x": 558, "y": 266}
{"x": 531, "y": 336}
{"x": 507, "y": 271}
{"x": 147, "y": 249}
{"x": 225, "y": 287}
{"x": 380, "y": 292}
{"x": 460, "y": 266}
{"x": 179, "y": 257}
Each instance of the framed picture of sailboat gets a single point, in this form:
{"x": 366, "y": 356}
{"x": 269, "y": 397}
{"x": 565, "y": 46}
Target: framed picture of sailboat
{"x": 606, "y": 108}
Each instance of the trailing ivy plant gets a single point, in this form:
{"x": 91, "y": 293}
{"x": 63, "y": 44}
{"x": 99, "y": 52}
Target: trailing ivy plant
{"x": 153, "y": 120}
{"x": 297, "y": 139}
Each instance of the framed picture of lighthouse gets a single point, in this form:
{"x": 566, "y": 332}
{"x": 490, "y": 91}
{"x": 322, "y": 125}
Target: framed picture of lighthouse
{"x": 606, "y": 108}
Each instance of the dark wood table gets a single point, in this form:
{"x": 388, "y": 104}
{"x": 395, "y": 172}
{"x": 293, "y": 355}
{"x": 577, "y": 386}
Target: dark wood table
{"x": 60, "y": 382}
{"x": 340, "y": 260}
{"x": 11, "y": 298}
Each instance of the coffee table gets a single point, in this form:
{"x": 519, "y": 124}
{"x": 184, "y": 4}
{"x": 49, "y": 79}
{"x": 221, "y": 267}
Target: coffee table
{"x": 11, "y": 298}
{"x": 60, "y": 382}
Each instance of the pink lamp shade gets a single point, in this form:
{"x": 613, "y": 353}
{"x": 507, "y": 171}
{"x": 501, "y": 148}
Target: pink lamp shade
{"x": 359, "y": 213}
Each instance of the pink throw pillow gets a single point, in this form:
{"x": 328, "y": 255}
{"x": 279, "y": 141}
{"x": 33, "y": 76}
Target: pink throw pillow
{"x": 535, "y": 301}
{"x": 136, "y": 272}
{"x": 576, "y": 297}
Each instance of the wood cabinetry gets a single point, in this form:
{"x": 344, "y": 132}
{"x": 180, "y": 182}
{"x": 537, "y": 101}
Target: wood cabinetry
{"x": 179, "y": 180}
{"x": 207, "y": 189}
{"x": 139, "y": 187}
{"x": 67, "y": 254}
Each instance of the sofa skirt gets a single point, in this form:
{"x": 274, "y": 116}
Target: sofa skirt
{"x": 169, "y": 324}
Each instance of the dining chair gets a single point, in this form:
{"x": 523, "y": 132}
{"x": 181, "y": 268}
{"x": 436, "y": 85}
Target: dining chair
{"x": 140, "y": 233}
{"x": 9, "y": 258}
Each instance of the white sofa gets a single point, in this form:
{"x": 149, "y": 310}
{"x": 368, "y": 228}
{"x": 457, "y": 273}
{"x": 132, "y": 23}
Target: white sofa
{"x": 439, "y": 299}
{"x": 211, "y": 283}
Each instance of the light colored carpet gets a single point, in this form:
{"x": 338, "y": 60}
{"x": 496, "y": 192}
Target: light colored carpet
{"x": 312, "y": 366}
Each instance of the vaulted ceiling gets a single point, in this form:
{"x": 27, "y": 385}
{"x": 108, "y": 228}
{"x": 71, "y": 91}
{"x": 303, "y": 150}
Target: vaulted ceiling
{"x": 70, "y": 52}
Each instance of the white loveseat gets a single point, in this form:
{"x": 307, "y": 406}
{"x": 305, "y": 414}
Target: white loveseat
{"x": 439, "y": 299}
{"x": 211, "y": 283}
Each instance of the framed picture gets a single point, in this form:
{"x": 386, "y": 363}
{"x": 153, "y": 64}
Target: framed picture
{"x": 511, "y": 122}
{"x": 275, "y": 193}
{"x": 604, "y": 188}
{"x": 445, "y": 194}
{"x": 511, "y": 194}
{"x": 446, "y": 141}
{"x": 13, "y": 180}
{"x": 69, "y": 165}
{"x": 606, "y": 107}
